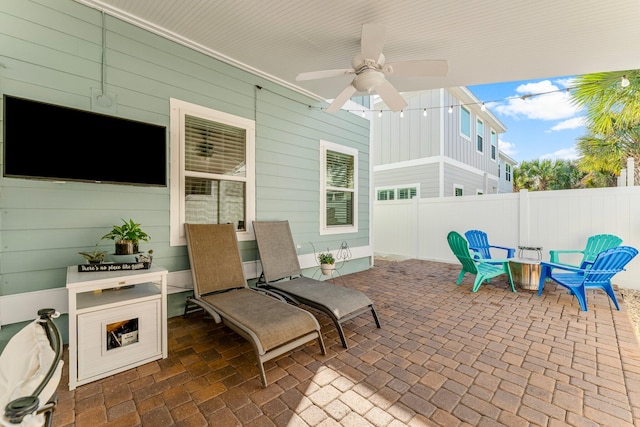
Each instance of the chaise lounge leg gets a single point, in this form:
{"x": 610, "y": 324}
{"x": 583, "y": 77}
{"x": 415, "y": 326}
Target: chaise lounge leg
{"x": 375, "y": 317}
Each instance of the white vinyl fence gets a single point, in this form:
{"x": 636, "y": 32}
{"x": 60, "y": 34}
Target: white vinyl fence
{"x": 418, "y": 228}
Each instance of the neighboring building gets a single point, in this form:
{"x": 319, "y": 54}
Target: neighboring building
{"x": 442, "y": 145}
{"x": 505, "y": 173}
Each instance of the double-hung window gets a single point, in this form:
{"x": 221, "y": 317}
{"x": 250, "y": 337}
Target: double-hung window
{"x": 212, "y": 170}
{"x": 480, "y": 135}
{"x": 338, "y": 189}
{"x": 494, "y": 144}
{"x": 465, "y": 122}
{"x": 507, "y": 172}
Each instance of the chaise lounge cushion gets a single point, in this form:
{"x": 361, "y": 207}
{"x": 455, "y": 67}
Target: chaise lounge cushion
{"x": 266, "y": 317}
{"x": 340, "y": 300}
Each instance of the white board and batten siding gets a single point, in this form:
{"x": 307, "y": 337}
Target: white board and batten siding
{"x": 53, "y": 52}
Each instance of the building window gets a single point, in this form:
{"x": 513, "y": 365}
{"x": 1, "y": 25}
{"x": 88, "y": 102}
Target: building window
{"x": 386, "y": 194}
{"x": 480, "y": 135}
{"x": 507, "y": 172}
{"x": 465, "y": 122}
{"x": 399, "y": 193}
{"x": 499, "y": 167}
{"x": 457, "y": 190}
{"x": 406, "y": 193}
{"x": 494, "y": 144}
{"x": 339, "y": 189}
{"x": 212, "y": 170}
{"x": 479, "y": 192}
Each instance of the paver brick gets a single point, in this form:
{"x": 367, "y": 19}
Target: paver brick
{"x": 445, "y": 356}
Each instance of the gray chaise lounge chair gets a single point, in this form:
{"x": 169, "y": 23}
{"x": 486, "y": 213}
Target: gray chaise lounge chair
{"x": 272, "y": 326}
{"x": 281, "y": 273}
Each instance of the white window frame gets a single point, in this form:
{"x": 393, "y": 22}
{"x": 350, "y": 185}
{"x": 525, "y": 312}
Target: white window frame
{"x": 177, "y": 192}
{"x": 465, "y": 136}
{"x": 494, "y": 145}
{"x": 458, "y": 187}
{"x": 507, "y": 172}
{"x": 395, "y": 190}
{"x": 479, "y": 192}
{"x": 480, "y": 123}
{"x": 337, "y": 229}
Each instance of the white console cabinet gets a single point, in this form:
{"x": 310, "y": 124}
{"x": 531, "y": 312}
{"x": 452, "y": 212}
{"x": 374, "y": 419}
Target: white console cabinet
{"x": 117, "y": 321}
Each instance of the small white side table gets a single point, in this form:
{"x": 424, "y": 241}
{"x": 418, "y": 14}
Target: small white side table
{"x": 117, "y": 321}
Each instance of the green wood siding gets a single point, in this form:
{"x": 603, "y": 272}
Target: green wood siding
{"x": 51, "y": 52}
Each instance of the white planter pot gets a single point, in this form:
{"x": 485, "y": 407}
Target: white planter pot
{"x": 327, "y": 269}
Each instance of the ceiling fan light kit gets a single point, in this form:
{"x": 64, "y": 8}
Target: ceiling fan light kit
{"x": 371, "y": 72}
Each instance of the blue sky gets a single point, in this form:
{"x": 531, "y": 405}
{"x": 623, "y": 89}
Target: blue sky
{"x": 541, "y": 126}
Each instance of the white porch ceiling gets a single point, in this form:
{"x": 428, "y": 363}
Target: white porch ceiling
{"x": 484, "y": 41}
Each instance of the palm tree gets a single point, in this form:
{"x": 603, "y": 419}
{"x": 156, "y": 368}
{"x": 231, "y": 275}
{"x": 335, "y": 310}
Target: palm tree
{"x": 609, "y": 105}
{"x": 603, "y": 158}
{"x": 613, "y": 115}
{"x": 541, "y": 175}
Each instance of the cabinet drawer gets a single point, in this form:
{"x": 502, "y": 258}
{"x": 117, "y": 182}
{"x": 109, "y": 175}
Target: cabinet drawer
{"x": 113, "y": 338}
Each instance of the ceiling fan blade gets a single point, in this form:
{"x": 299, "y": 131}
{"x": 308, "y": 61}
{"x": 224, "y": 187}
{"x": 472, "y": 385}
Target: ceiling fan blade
{"x": 391, "y": 96}
{"x": 372, "y": 41}
{"x": 343, "y": 97}
{"x": 429, "y": 68}
{"x": 311, "y": 75}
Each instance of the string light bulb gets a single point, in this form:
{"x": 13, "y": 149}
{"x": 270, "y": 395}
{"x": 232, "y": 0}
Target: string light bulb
{"x": 483, "y": 107}
{"x": 450, "y": 109}
{"x": 380, "y": 113}
{"x": 424, "y": 113}
{"x": 401, "y": 113}
{"x": 363, "y": 113}
{"x": 624, "y": 82}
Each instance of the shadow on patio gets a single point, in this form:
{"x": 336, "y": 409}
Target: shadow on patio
{"x": 444, "y": 356}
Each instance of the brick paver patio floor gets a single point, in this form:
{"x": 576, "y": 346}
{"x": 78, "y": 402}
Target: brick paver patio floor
{"x": 444, "y": 357}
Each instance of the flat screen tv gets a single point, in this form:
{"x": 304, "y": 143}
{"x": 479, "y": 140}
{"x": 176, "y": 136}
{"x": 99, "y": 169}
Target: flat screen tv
{"x": 46, "y": 141}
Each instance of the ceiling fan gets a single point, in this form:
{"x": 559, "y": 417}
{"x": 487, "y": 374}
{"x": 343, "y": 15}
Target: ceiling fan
{"x": 371, "y": 71}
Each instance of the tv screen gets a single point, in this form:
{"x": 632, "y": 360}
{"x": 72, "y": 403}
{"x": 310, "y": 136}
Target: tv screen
{"x": 45, "y": 141}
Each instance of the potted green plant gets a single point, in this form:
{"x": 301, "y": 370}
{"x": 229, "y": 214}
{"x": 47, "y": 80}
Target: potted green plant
{"x": 126, "y": 237}
{"x": 94, "y": 257}
{"x": 327, "y": 262}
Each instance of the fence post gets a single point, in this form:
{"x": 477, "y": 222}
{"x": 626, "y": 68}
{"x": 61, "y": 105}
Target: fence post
{"x": 630, "y": 172}
{"x": 524, "y": 218}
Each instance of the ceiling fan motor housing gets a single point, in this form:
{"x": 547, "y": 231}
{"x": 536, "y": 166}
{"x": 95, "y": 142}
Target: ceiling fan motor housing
{"x": 368, "y": 80}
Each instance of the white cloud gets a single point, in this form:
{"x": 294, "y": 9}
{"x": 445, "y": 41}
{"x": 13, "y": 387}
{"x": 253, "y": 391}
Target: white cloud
{"x": 548, "y": 102}
{"x": 573, "y": 123}
{"x": 507, "y": 148}
{"x": 563, "y": 154}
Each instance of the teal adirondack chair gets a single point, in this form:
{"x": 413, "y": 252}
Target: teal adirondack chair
{"x": 595, "y": 245}
{"x": 484, "y": 270}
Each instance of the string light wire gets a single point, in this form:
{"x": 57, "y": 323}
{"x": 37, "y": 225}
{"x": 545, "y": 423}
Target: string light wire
{"x": 623, "y": 83}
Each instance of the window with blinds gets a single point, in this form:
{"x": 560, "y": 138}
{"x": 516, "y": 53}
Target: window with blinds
{"x": 215, "y": 172}
{"x": 406, "y": 193}
{"x": 339, "y": 178}
{"x": 480, "y": 135}
{"x": 212, "y": 170}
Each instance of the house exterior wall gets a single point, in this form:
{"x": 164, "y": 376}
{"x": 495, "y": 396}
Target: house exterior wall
{"x": 52, "y": 53}
{"x": 426, "y": 175}
{"x": 410, "y": 137}
{"x": 505, "y": 185}
{"x": 401, "y": 142}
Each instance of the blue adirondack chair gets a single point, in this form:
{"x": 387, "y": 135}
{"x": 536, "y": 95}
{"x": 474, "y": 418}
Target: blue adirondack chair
{"x": 596, "y": 275}
{"x": 484, "y": 270}
{"x": 479, "y": 243}
{"x": 595, "y": 245}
